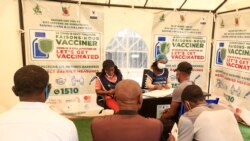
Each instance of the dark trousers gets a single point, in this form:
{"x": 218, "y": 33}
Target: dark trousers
{"x": 167, "y": 127}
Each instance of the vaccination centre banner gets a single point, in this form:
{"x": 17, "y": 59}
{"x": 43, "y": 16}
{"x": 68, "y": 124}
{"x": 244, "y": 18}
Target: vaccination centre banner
{"x": 184, "y": 36}
{"x": 231, "y": 58}
{"x": 65, "y": 39}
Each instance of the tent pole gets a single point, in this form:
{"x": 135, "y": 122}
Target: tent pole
{"x": 128, "y": 6}
{"x": 146, "y": 2}
{"x": 244, "y": 8}
{"x": 109, "y": 2}
{"x": 212, "y": 45}
{"x": 20, "y": 6}
{"x": 92, "y": 3}
{"x": 215, "y": 10}
{"x": 182, "y": 4}
{"x": 211, "y": 55}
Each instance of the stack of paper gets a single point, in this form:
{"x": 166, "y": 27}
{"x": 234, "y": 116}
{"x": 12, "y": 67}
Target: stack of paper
{"x": 174, "y": 131}
{"x": 243, "y": 113}
{"x": 159, "y": 93}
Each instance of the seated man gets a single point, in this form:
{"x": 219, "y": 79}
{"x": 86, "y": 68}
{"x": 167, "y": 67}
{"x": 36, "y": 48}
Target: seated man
{"x": 170, "y": 116}
{"x": 126, "y": 125}
{"x": 31, "y": 119}
{"x": 205, "y": 122}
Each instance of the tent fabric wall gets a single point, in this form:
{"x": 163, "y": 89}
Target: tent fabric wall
{"x": 231, "y": 58}
{"x": 11, "y": 56}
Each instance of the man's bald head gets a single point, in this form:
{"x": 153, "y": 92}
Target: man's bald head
{"x": 128, "y": 95}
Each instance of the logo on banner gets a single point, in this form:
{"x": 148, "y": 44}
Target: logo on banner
{"x": 87, "y": 99}
{"x": 162, "y": 18}
{"x": 237, "y": 20}
{"x": 203, "y": 20}
{"x": 60, "y": 81}
{"x": 220, "y": 54}
{"x": 182, "y": 18}
{"x": 222, "y": 23}
{"x": 161, "y": 47}
{"x": 41, "y": 46}
{"x": 93, "y": 15}
{"x": 65, "y": 10}
{"x": 37, "y": 10}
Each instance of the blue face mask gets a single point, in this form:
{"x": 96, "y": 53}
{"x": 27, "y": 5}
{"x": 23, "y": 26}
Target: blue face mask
{"x": 47, "y": 91}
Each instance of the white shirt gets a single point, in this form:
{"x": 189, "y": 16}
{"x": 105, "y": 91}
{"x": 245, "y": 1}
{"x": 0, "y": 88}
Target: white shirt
{"x": 35, "y": 121}
{"x": 209, "y": 123}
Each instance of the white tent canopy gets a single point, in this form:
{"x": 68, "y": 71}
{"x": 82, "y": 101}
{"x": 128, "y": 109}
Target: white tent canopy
{"x": 208, "y": 5}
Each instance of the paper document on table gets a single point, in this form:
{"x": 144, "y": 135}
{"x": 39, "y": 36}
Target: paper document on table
{"x": 174, "y": 131}
{"x": 159, "y": 93}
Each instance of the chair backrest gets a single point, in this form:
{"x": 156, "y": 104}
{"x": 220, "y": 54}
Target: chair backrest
{"x": 144, "y": 77}
{"x": 212, "y": 101}
{"x": 209, "y": 101}
{"x": 100, "y": 99}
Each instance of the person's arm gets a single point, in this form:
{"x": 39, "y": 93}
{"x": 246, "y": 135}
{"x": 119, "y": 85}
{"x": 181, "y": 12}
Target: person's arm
{"x": 110, "y": 92}
{"x": 170, "y": 137}
{"x": 99, "y": 90}
{"x": 175, "y": 104}
{"x": 151, "y": 86}
{"x": 73, "y": 135}
{"x": 185, "y": 129}
{"x": 172, "y": 111}
{"x": 168, "y": 84}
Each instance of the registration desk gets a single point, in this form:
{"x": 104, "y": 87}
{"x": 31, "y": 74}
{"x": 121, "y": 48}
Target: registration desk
{"x": 154, "y": 102}
{"x": 149, "y": 105}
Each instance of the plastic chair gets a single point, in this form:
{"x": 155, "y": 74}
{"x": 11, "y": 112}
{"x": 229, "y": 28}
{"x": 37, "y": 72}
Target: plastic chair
{"x": 100, "y": 100}
{"x": 209, "y": 101}
{"x": 212, "y": 101}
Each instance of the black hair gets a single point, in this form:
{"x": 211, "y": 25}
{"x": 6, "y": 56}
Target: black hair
{"x": 30, "y": 79}
{"x": 154, "y": 66}
{"x": 108, "y": 64}
{"x": 192, "y": 93}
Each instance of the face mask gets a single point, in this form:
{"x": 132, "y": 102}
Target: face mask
{"x": 109, "y": 76}
{"x": 178, "y": 76}
{"x": 161, "y": 65}
{"x": 47, "y": 91}
{"x": 188, "y": 107}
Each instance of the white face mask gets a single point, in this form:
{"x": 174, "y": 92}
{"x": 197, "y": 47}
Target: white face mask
{"x": 161, "y": 65}
{"x": 188, "y": 106}
{"x": 109, "y": 76}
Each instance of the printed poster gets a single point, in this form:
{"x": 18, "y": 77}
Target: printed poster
{"x": 184, "y": 36}
{"x": 231, "y": 58}
{"x": 66, "y": 39}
